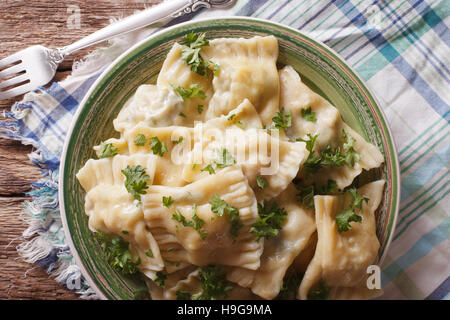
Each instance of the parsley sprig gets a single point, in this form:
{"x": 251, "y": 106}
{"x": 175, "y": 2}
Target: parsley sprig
{"x": 196, "y": 223}
{"x": 224, "y": 159}
{"x": 351, "y": 156}
{"x": 214, "y": 285}
{"x": 282, "y": 120}
{"x": 194, "y": 91}
{"x": 222, "y": 208}
{"x": 136, "y": 180}
{"x": 190, "y": 53}
{"x": 306, "y": 193}
{"x": 140, "y": 140}
{"x": 117, "y": 253}
{"x": 158, "y": 147}
{"x": 160, "y": 279}
{"x": 107, "y": 150}
{"x": 269, "y": 221}
{"x": 167, "y": 201}
{"x": 261, "y": 182}
{"x": 344, "y": 218}
{"x": 308, "y": 114}
{"x": 329, "y": 156}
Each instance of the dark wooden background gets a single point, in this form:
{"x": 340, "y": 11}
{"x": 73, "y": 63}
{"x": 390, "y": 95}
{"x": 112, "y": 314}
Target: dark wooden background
{"x": 25, "y": 23}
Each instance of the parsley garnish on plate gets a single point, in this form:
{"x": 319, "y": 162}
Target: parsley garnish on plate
{"x": 180, "y": 139}
{"x": 224, "y": 159}
{"x": 344, "y": 218}
{"x": 157, "y": 146}
{"x": 190, "y": 53}
{"x": 136, "y": 180}
{"x": 261, "y": 182}
{"x": 328, "y": 156}
{"x": 107, "y": 150}
{"x": 309, "y": 115}
{"x": 214, "y": 284}
{"x": 209, "y": 168}
{"x": 160, "y": 279}
{"x": 117, "y": 253}
{"x": 194, "y": 91}
{"x": 140, "y": 140}
{"x": 282, "y": 120}
{"x": 200, "y": 108}
{"x": 196, "y": 223}
{"x": 269, "y": 220}
{"x": 167, "y": 201}
{"x": 351, "y": 156}
{"x": 307, "y": 193}
{"x": 149, "y": 253}
{"x": 221, "y": 208}
{"x": 183, "y": 295}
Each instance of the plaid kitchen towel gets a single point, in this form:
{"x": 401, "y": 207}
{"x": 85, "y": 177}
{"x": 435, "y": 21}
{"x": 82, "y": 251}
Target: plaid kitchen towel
{"x": 400, "y": 48}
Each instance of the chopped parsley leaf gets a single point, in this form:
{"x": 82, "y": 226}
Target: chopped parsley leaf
{"x": 224, "y": 159}
{"x": 269, "y": 220}
{"x": 200, "y": 108}
{"x": 180, "y": 139}
{"x": 183, "y": 295}
{"x": 160, "y": 278}
{"x": 149, "y": 253}
{"x": 190, "y": 52}
{"x": 307, "y": 193}
{"x": 214, "y": 284}
{"x": 309, "y": 115}
{"x": 261, "y": 182}
{"x": 117, "y": 253}
{"x": 194, "y": 91}
{"x": 136, "y": 180}
{"x": 282, "y": 120}
{"x": 157, "y": 146}
{"x": 351, "y": 156}
{"x": 196, "y": 223}
{"x": 221, "y": 208}
{"x": 107, "y": 150}
{"x": 140, "y": 140}
{"x": 167, "y": 201}
{"x": 344, "y": 218}
{"x": 209, "y": 168}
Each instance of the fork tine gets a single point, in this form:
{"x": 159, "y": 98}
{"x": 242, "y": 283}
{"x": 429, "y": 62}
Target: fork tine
{"x": 15, "y": 91}
{"x": 9, "y": 60}
{"x": 13, "y": 81}
{"x": 12, "y": 70}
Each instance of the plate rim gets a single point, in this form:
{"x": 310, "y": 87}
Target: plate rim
{"x": 82, "y": 105}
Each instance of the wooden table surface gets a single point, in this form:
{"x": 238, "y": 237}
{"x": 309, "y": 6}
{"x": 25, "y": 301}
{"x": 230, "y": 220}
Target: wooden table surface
{"x": 25, "y": 23}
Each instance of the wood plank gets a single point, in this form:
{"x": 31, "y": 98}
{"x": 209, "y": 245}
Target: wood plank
{"x": 24, "y": 23}
{"x": 18, "y": 279}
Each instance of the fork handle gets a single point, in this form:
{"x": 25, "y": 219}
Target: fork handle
{"x": 144, "y": 18}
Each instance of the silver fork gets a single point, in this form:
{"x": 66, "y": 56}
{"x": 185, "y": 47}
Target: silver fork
{"x": 36, "y": 65}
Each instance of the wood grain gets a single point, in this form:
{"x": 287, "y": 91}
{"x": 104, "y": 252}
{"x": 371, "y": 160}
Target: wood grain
{"x": 25, "y": 23}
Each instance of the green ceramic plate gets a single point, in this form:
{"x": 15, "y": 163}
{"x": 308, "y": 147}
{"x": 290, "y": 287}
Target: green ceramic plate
{"x": 320, "y": 67}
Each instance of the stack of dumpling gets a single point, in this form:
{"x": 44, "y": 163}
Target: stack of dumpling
{"x": 242, "y": 98}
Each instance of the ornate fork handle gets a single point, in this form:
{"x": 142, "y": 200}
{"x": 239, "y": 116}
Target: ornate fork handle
{"x": 192, "y": 6}
{"x": 195, "y": 5}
